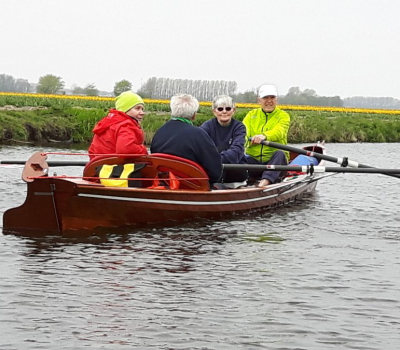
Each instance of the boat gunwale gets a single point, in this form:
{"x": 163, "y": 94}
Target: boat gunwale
{"x": 88, "y": 185}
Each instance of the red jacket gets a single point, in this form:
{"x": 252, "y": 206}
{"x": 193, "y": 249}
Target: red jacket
{"x": 117, "y": 133}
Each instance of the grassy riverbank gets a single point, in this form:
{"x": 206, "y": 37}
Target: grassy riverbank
{"x": 37, "y": 120}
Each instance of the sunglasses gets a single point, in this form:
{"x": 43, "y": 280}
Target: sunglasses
{"x": 220, "y": 109}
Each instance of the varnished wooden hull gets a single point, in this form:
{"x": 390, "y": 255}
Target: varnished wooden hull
{"x": 57, "y": 205}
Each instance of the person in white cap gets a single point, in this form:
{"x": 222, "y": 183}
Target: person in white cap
{"x": 266, "y": 123}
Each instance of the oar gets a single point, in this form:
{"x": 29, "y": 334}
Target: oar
{"x": 344, "y": 162}
{"x": 54, "y": 163}
{"x": 309, "y": 169}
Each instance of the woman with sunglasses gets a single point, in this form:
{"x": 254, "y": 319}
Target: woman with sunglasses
{"x": 228, "y": 135}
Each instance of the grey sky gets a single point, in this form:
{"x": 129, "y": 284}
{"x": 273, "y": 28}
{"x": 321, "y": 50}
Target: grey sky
{"x": 336, "y": 47}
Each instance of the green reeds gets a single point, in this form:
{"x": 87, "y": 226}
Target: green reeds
{"x": 37, "y": 119}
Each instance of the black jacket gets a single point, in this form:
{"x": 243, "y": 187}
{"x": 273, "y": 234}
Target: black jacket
{"x": 187, "y": 141}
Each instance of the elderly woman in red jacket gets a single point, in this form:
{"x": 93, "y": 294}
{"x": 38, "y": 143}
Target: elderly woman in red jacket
{"x": 120, "y": 132}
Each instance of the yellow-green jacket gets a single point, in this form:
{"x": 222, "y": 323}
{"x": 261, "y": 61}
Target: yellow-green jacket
{"x": 274, "y": 126}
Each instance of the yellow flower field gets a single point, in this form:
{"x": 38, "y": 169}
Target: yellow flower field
{"x": 33, "y": 96}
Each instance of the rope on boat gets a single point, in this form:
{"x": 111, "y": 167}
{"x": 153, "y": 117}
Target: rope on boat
{"x": 107, "y": 178}
{"x": 66, "y": 154}
{"x": 122, "y": 155}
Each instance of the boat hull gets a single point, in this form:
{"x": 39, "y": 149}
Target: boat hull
{"x": 57, "y": 205}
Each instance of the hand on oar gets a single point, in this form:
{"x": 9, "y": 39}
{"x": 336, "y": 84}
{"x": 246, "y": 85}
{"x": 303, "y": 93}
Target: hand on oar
{"x": 257, "y": 139}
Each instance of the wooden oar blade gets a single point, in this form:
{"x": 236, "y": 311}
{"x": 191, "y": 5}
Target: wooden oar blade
{"x": 36, "y": 166}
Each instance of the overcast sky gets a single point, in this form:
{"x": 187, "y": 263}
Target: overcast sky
{"x": 336, "y": 47}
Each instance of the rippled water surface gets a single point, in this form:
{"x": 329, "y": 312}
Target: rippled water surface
{"x": 321, "y": 274}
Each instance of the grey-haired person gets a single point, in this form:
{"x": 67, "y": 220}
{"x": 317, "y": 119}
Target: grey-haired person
{"x": 229, "y": 136}
{"x": 181, "y": 138}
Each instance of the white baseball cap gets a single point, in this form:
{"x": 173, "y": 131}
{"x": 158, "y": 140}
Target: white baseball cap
{"x": 267, "y": 90}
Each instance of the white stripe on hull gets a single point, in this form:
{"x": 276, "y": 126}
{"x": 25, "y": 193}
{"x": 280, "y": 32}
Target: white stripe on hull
{"x": 177, "y": 202}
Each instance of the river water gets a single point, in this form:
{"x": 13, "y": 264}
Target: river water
{"x": 321, "y": 274}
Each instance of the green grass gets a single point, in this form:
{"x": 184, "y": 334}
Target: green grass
{"x": 73, "y": 121}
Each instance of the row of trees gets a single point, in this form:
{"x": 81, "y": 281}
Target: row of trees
{"x": 204, "y": 90}
{"x": 51, "y": 84}
{"x": 88, "y": 90}
{"x": 295, "y": 96}
{"x": 47, "y": 84}
{"x": 372, "y": 102}
{"x": 164, "y": 88}
{"x": 309, "y": 97}
{"x": 9, "y": 84}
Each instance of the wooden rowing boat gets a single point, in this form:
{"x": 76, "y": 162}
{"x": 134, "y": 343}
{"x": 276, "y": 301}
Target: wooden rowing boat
{"x": 58, "y": 204}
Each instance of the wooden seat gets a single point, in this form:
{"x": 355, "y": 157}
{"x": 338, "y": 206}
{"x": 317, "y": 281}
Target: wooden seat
{"x": 190, "y": 174}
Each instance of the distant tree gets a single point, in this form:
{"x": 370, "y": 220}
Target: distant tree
{"x": 249, "y": 96}
{"x": 9, "y": 84}
{"x": 232, "y": 87}
{"x": 147, "y": 89}
{"x": 372, "y": 102}
{"x": 77, "y": 90}
{"x": 22, "y": 85}
{"x": 309, "y": 92}
{"x": 122, "y": 86}
{"x": 91, "y": 90}
{"x": 49, "y": 84}
{"x": 6, "y": 83}
{"x": 336, "y": 101}
{"x": 294, "y": 91}
{"x": 309, "y": 97}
